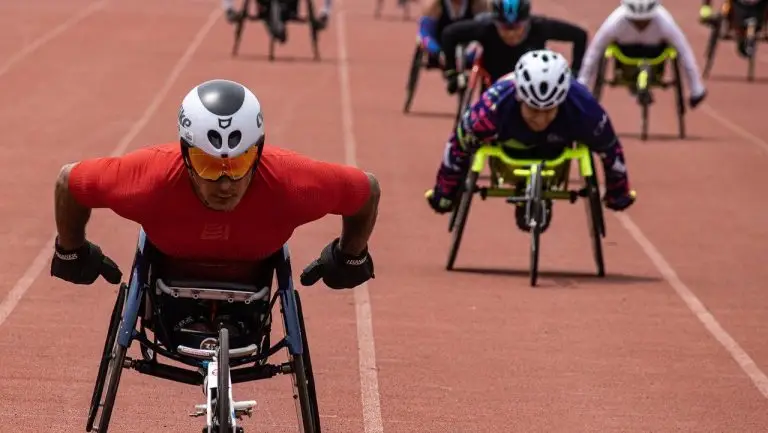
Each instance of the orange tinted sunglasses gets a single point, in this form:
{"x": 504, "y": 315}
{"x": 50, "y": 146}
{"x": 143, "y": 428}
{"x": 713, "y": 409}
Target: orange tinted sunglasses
{"x": 212, "y": 168}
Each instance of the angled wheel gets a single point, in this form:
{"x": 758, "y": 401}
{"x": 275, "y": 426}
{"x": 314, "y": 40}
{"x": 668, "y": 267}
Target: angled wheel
{"x": 709, "y": 54}
{"x": 644, "y": 95}
{"x": 223, "y": 409}
{"x": 461, "y": 216}
{"x": 534, "y": 213}
{"x": 113, "y": 375}
{"x": 413, "y": 78}
{"x": 597, "y": 90}
{"x": 595, "y": 219}
{"x": 239, "y": 26}
{"x": 304, "y": 381}
{"x": 313, "y": 30}
{"x": 679, "y": 99}
{"x": 751, "y": 42}
{"x": 106, "y": 356}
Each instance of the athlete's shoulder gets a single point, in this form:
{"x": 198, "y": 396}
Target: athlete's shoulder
{"x": 501, "y": 92}
{"x": 582, "y": 102}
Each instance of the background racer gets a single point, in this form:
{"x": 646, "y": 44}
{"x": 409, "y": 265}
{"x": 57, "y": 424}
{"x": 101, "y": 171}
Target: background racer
{"x": 438, "y": 15}
{"x": 510, "y": 33}
{"x": 540, "y": 106}
{"x": 737, "y": 12}
{"x": 643, "y": 29}
{"x": 217, "y": 196}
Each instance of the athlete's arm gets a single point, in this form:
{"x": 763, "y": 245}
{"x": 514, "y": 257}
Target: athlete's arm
{"x": 476, "y": 128}
{"x": 566, "y": 32}
{"x": 459, "y": 33}
{"x": 357, "y": 228}
{"x": 604, "y": 35}
{"x": 673, "y": 34}
{"x": 71, "y": 216}
{"x": 428, "y": 26}
{"x": 228, "y": 4}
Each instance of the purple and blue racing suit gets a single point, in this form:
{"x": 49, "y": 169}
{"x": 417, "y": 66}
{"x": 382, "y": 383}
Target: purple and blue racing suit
{"x": 496, "y": 117}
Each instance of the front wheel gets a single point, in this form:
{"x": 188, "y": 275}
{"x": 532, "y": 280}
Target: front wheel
{"x": 461, "y": 217}
{"x": 304, "y": 381}
{"x": 223, "y": 410}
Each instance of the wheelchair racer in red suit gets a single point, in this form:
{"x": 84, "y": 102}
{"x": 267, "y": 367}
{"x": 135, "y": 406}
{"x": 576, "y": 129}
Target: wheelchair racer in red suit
{"x": 217, "y": 194}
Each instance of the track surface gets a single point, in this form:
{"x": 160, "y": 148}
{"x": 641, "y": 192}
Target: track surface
{"x": 472, "y": 351}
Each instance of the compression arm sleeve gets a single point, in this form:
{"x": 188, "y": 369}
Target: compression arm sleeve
{"x": 428, "y": 34}
{"x": 228, "y": 4}
{"x": 597, "y": 48}
{"x": 327, "y": 7}
{"x": 458, "y": 33}
{"x": 562, "y": 31}
{"x": 673, "y": 33}
{"x": 477, "y": 127}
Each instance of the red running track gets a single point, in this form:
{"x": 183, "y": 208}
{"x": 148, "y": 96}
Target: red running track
{"x": 471, "y": 351}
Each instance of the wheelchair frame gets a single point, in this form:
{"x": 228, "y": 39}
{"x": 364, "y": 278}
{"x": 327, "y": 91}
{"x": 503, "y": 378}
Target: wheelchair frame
{"x": 544, "y": 180}
{"x": 419, "y": 61}
{"x": 642, "y": 84}
{"x": 722, "y": 28}
{"x": 142, "y": 295}
{"x": 478, "y": 82}
{"x": 274, "y": 15}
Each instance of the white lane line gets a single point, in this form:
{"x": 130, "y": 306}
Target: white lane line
{"x": 50, "y": 35}
{"x": 369, "y": 380}
{"x": 43, "y": 257}
{"x": 758, "y": 378}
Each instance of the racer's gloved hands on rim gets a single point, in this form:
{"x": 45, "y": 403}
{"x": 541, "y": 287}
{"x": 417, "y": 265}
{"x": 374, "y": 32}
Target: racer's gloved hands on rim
{"x": 337, "y": 269}
{"x": 439, "y": 202}
{"x": 618, "y": 196}
{"x": 83, "y": 265}
{"x": 454, "y": 80}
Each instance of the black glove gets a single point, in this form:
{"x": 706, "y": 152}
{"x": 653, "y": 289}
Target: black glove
{"x": 84, "y": 265}
{"x": 696, "y": 100}
{"x": 338, "y": 270}
{"x": 452, "y": 81}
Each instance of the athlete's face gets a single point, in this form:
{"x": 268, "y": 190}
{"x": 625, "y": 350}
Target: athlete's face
{"x": 512, "y": 34}
{"x": 537, "y": 120}
{"x": 640, "y": 25}
{"x": 223, "y": 194}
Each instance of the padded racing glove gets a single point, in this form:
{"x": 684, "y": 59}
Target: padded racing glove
{"x": 453, "y": 81}
{"x": 83, "y": 265}
{"x": 337, "y": 269}
{"x": 438, "y": 201}
{"x": 618, "y": 196}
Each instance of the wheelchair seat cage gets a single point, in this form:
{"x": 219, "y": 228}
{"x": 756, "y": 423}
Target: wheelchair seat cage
{"x": 139, "y": 308}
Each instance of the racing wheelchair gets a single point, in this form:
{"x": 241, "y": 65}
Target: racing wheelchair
{"x": 237, "y": 335}
{"x": 645, "y": 74}
{"x": 723, "y": 26}
{"x": 422, "y": 60}
{"x": 530, "y": 183}
{"x": 478, "y": 81}
{"x": 276, "y": 13}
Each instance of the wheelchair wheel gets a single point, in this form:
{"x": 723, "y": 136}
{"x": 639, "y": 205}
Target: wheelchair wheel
{"x": 595, "y": 220}
{"x": 109, "y": 343}
{"x": 413, "y": 78}
{"x": 223, "y": 411}
{"x": 455, "y": 211}
{"x": 304, "y": 381}
{"x": 714, "y": 36}
{"x": 274, "y": 19}
{"x": 597, "y": 90}
{"x": 239, "y": 27}
{"x": 115, "y": 371}
{"x": 461, "y": 216}
{"x": 679, "y": 99}
{"x": 534, "y": 215}
{"x": 313, "y": 30}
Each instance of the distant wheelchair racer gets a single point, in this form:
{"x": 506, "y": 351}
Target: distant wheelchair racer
{"x": 438, "y": 15}
{"x": 511, "y": 32}
{"x": 737, "y": 12}
{"x": 540, "y": 106}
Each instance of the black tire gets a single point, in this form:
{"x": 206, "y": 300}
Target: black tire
{"x": 413, "y": 78}
{"x": 752, "y": 59}
{"x": 113, "y": 382}
{"x": 680, "y": 99}
{"x": 239, "y": 27}
{"x": 709, "y": 54}
{"x": 455, "y": 211}
{"x": 222, "y": 386}
{"x": 644, "y": 120}
{"x": 595, "y": 221}
{"x": 535, "y": 212}
{"x": 461, "y": 217}
{"x": 309, "y": 410}
{"x": 597, "y": 90}
{"x": 275, "y": 17}
{"x": 109, "y": 344}
{"x": 313, "y": 30}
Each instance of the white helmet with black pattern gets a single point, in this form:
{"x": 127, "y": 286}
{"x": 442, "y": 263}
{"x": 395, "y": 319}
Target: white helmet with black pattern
{"x": 222, "y": 118}
{"x": 542, "y": 78}
{"x": 639, "y": 9}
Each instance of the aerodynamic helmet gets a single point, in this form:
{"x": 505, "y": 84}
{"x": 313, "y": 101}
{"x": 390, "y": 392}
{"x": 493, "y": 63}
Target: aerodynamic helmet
{"x": 542, "y": 78}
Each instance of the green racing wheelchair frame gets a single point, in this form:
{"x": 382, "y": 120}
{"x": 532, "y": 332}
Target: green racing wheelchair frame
{"x": 644, "y": 82}
{"x": 722, "y": 28}
{"x": 544, "y": 180}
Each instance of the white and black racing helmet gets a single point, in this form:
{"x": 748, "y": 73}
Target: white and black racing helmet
{"x": 542, "y": 78}
{"x": 222, "y": 118}
{"x": 639, "y": 9}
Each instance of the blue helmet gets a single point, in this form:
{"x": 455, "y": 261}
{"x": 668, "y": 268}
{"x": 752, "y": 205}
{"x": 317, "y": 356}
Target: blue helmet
{"x": 511, "y": 11}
